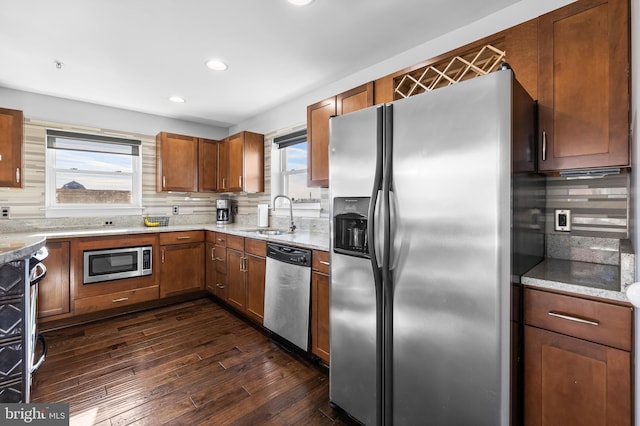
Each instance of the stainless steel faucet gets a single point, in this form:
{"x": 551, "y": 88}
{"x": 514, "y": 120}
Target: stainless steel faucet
{"x": 292, "y": 227}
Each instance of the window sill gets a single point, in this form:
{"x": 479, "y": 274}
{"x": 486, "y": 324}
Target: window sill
{"x": 83, "y": 211}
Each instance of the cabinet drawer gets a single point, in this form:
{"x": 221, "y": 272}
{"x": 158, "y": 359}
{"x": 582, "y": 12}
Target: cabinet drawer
{"x": 114, "y": 300}
{"x": 220, "y": 239}
{"x": 210, "y": 236}
{"x": 320, "y": 261}
{"x": 257, "y": 247}
{"x": 235, "y": 242}
{"x": 591, "y": 320}
{"x": 167, "y": 238}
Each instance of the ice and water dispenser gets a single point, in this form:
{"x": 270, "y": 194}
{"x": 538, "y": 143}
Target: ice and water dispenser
{"x": 350, "y": 226}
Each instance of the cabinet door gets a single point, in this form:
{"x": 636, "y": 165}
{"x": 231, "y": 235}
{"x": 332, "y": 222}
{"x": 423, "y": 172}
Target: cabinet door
{"x": 255, "y": 275}
{"x": 236, "y": 294}
{"x": 355, "y": 99}
{"x": 11, "y": 122}
{"x": 207, "y": 165}
{"x": 176, "y": 163}
{"x": 210, "y": 267}
{"x": 181, "y": 268}
{"x": 223, "y": 165}
{"x": 320, "y": 315}
{"x": 570, "y": 381}
{"x": 318, "y": 141}
{"x": 584, "y": 85}
{"x": 53, "y": 290}
{"x": 235, "y": 162}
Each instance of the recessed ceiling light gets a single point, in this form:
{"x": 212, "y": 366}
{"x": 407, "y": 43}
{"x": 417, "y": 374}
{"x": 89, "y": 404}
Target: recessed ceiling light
{"x": 300, "y": 2}
{"x": 216, "y": 65}
{"x": 176, "y": 99}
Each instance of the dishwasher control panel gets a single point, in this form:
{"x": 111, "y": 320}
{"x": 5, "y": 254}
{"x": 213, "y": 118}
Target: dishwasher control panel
{"x": 293, "y": 255}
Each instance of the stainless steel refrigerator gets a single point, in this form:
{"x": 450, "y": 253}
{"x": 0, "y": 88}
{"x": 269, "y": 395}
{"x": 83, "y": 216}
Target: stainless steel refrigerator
{"x": 436, "y": 211}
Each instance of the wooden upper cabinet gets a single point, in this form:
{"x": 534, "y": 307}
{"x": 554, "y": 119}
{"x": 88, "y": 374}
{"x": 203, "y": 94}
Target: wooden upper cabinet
{"x": 355, "y": 99}
{"x": 244, "y": 168}
{"x": 235, "y": 163}
{"x": 176, "y": 163}
{"x": 223, "y": 165}
{"x": 11, "y": 123}
{"x": 584, "y": 85}
{"x": 318, "y": 116}
{"x": 207, "y": 165}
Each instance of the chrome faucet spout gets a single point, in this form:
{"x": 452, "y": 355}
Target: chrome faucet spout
{"x": 292, "y": 226}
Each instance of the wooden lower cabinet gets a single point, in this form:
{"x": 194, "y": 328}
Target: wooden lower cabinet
{"x": 570, "y": 380}
{"x": 53, "y": 290}
{"x": 320, "y": 305}
{"x": 255, "y": 275}
{"x": 236, "y": 291}
{"x": 181, "y": 263}
{"x": 246, "y": 265}
{"x": 92, "y": 298}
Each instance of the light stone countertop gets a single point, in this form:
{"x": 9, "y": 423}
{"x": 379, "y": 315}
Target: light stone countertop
{"x": 17, "y": 247}
{"x": 590, "y": 279}
{"x": 300, "y": 238}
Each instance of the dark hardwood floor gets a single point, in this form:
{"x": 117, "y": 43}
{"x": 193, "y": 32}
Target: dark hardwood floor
{"x": 187, "y": 364}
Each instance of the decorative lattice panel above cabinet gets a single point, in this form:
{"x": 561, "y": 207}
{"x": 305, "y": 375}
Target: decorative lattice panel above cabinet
{"x": 477, "y": 62}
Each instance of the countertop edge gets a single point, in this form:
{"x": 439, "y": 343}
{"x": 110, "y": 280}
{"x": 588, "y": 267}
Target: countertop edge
{"x": 24, "y": 247}
{"x": 305, "y": 239}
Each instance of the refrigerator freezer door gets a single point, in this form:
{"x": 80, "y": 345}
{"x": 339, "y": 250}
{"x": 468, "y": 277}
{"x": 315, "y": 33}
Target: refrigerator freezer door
{"x": 352, "y": 385}
{"x": 451, "y": 183}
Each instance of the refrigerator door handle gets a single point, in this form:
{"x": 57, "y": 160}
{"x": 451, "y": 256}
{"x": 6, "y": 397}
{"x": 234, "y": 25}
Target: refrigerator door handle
{"x": 395, "y": 231}
{"x": 373, "y": 227}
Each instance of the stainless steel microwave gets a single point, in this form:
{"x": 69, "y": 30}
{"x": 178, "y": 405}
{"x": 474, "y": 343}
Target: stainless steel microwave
{"x": 116, "y": 263}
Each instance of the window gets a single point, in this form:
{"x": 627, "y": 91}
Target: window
{"x": 92, "y": 174}
{"x": 289, "y": 166}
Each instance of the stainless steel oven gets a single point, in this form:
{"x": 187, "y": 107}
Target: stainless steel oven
{"x": 116, "y": 263}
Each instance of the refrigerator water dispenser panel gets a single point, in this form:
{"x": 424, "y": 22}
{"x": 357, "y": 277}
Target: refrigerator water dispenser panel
{"x": 350, "y": 224}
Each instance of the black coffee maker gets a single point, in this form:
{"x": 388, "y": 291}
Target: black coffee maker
{"x": 223, "y": 212}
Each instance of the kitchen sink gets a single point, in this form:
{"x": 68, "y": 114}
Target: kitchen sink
{"x": 268, "y": 231}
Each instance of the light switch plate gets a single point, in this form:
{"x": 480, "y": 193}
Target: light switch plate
{"x": 562, "y": 220}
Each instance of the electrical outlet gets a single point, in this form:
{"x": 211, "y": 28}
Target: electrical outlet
{"x": 563, "y": 220}
{"x": 175, "y": 209}
{"x": 4, "y": 212}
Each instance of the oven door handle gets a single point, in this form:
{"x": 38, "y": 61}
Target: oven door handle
{"x": 39, "y": 271}
{"x": 37, "y": 365}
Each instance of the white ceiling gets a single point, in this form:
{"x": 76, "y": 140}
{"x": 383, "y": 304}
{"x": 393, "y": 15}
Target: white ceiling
{"x": 134, "y": 54}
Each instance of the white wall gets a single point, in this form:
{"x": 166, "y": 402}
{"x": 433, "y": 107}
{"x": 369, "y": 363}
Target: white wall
{"x": 60, "y": 110}
{"x": 294, "y": 112}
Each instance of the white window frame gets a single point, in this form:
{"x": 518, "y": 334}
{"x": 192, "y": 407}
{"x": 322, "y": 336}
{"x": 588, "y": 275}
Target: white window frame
{"x": 53, "y": 209}
{"x": 279, "y": 178}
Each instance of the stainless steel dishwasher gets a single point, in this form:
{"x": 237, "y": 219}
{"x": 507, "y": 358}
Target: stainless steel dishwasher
{"x": 287, "y": 293}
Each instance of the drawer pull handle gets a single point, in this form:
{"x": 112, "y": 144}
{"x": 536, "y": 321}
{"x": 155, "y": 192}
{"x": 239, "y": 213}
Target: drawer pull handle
{"x": 322, "y": 262}
{"x": 184, "y": 237}
{"x": 572, "y": 318}
{"x": 122, "y": 299}
{"x": 219, "y": 285}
